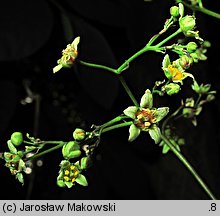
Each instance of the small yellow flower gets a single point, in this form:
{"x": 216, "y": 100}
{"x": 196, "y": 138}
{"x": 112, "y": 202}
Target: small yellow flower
{"x": 177, "y": 75}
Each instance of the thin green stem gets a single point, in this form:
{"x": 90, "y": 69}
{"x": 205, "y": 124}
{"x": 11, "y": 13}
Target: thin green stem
{"x": 189, "y": 167}
{"x": 124, "y": 124}
{"x": 97, "y": 66}
{"x": 140, "y": 52}
{"x": 113, "y": 121}
{"x": 42, "y": 142}
{"x": 127, "y": 89}
{"x": 168, "y": 38}
{"x": 61, "y": 143}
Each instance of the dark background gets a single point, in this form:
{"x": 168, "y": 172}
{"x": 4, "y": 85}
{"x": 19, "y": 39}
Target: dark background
{"x": 31, "y": 39}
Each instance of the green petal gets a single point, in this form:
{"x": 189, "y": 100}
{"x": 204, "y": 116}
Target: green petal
{"x": 166, "y": 61}
{"x": 131, "y": 111}
{"x": 134, "y": 132}
{"x": 64, "y": 163}
{"x": 69, "y": 184}
{"x": 11, "y": 147}
{"x": 161, "y": 113}
{"x": 166, "y": 148}
{"x": 75, "y": 43}
{"x": 57, "y": 68}
{"x": 20, "y": 178}
{"x": 84, "y": 162}
{"x": 181, "y": 10}
{"x": 167, "y": 73}
{"x": 81, "y": 179}
{"x": 147, "y": 100}
{"x": 74, "y": 154}
{"x": 61, "y": 183}
{"x": 155, "y": 133}
{"x": 21, "y": 165}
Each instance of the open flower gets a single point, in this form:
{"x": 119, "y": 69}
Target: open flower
{"x": 69, "y": 56}
{"x": 69, "y": 174}
{"x": 146, "y": 118}
{"x": 175, "y": 71}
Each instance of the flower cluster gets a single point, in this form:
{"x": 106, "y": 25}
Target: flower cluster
{"x": 14, "y": 158}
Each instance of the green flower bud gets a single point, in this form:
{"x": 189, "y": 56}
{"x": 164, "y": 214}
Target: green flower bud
{"x": 174, "y": 11}
{"x": 187, "y": 23}
{"x": 206, "y": 44}
{"x": 84, "y": 162}
{"x": 172, "y": 88}
{"x": 210, "y": 97}
{"x": 191, "y": 47}
{"x": 188, "y": 112}
{"x": 71, "y": 150}
{"x": 17, "y": 138}
{"x": 181, "y": 141}
{"x": 185, "y": 61}
{"x": 79, "y": 134}
{"x": 195, "y": 57}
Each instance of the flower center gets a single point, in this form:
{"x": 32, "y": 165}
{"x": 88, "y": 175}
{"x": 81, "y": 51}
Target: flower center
{"x": 177, "y": 75}
{"x": 145, "y": 117}
{"x": 71, "y": 173}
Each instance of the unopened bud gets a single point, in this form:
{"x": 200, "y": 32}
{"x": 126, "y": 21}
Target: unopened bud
{"x": 172, "y": 88}
{"x": 79, "y": 134}
{"x": 191, "y": 47}
{"x": 187, "y": 23}
{"x": 174, "y": 11}
{"x": 17, "y": 138}
{"x": 185, "y": 61}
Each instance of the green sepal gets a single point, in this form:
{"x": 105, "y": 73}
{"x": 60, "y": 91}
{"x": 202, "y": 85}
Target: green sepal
{"x": 161, "y": 113}
{"x": 166, "y": 148}
{"x": 11, "y": 147}
{"x": 147, "y": 99}
{"x": 74, "y": 154}
{"x": 81, "y": 179}
{"x": 21, "y": 165}
{"x": 57, "y": 68}
{"x": 181, "y": 10}
{"x": 134, "y": 132}
{"x": 20, "y": 178}
{"x": 131, "y": 112}
{"x": 69, "y": 184}
{"x": 84, "y": 162}
{"x": 166, "y": 62}
{"x": 64, "y": 164}
{"x": 61, "y": 183}
{"x": 155, "y": 133}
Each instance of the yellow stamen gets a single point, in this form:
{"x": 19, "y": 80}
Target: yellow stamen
{"x": 66, "y": 178}
{"x": 177, "y": 75}
{"x": 66, "y": 172}
{"x": 147, "y": 124}
{"x": 72, "y": 167}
